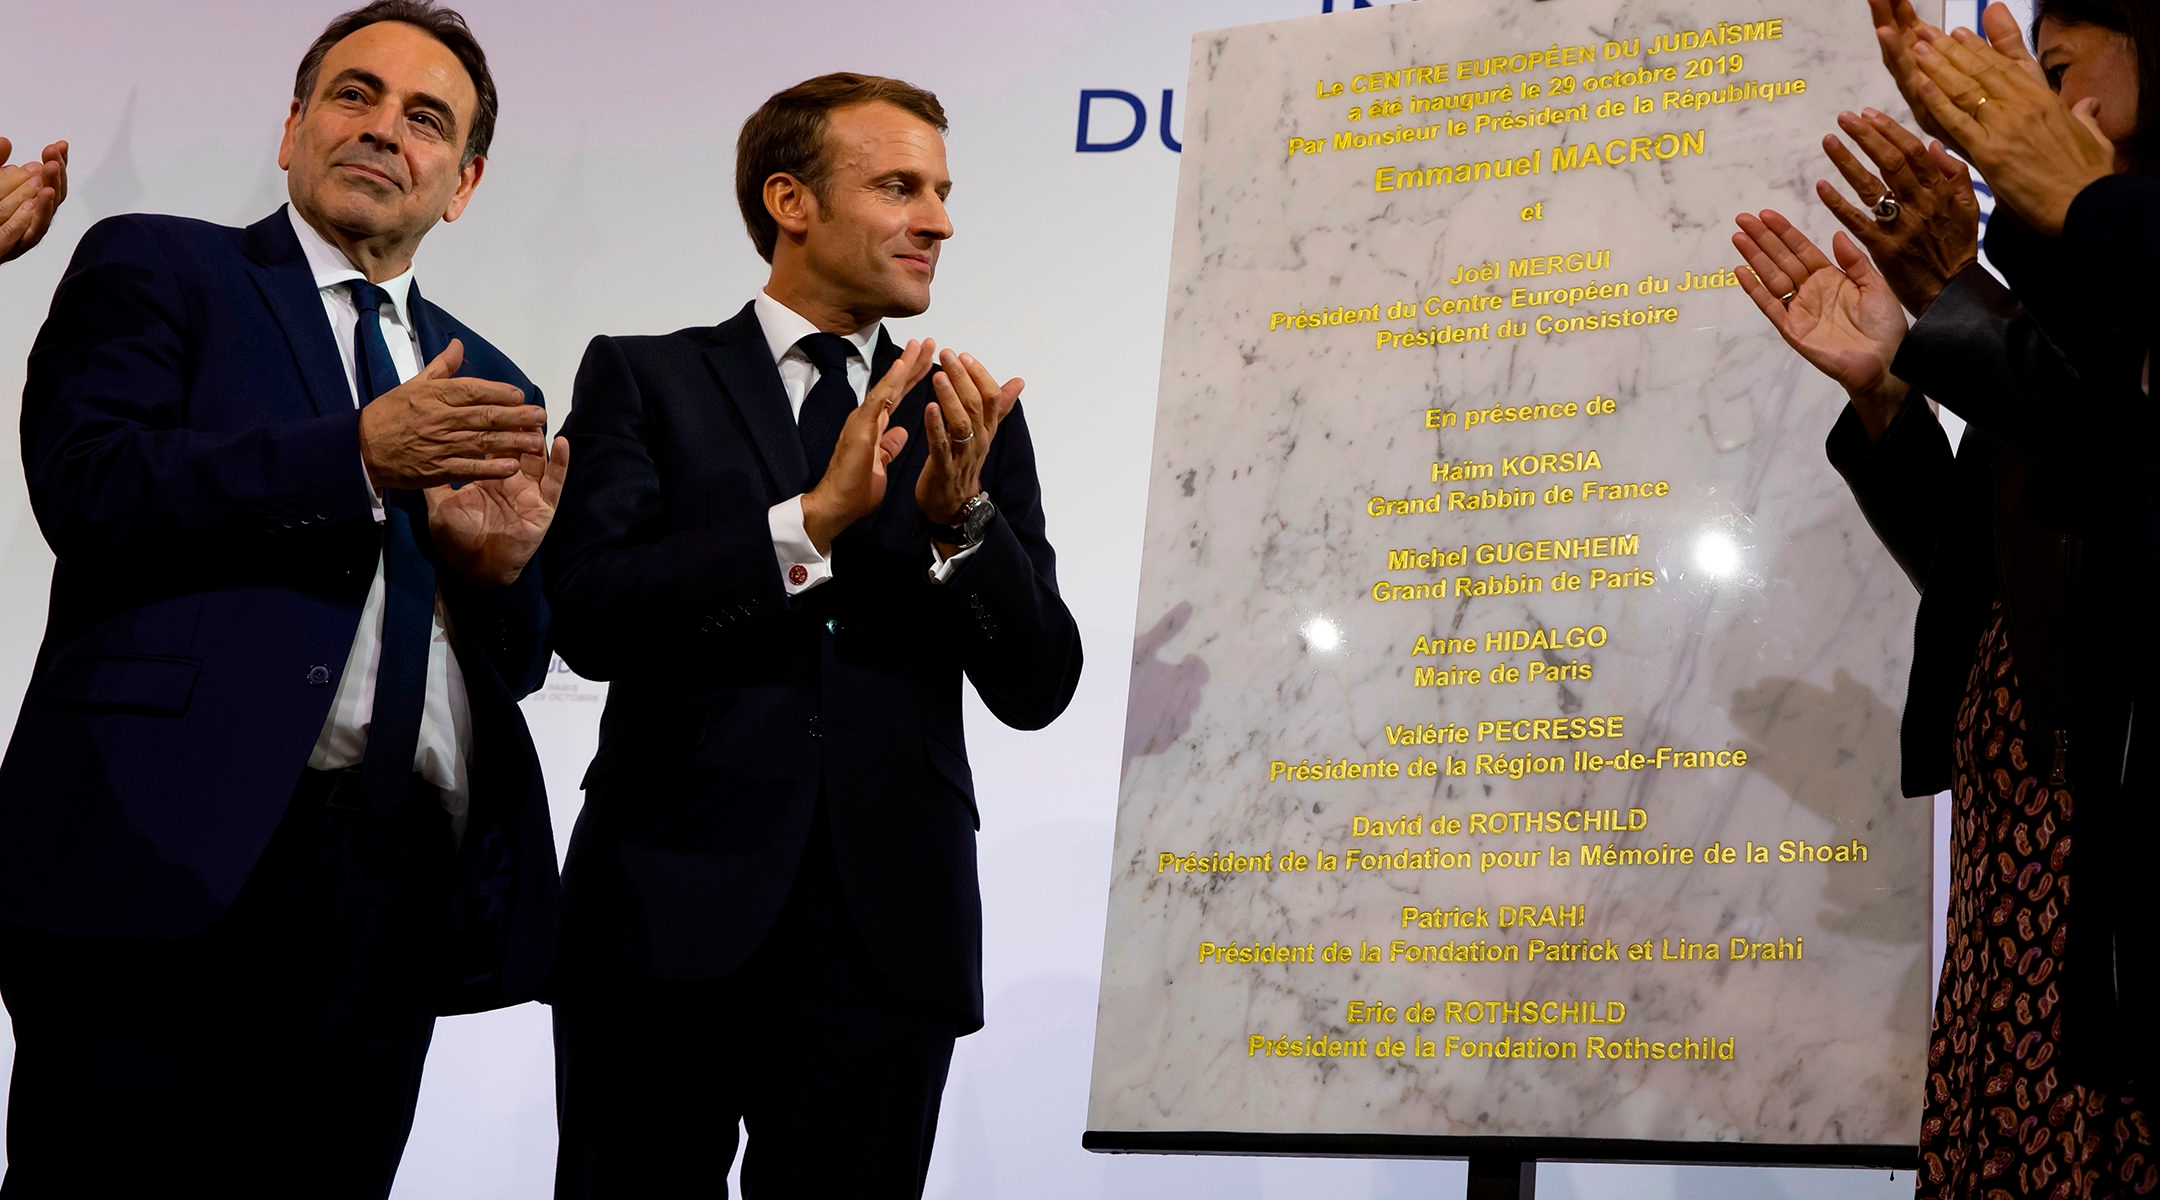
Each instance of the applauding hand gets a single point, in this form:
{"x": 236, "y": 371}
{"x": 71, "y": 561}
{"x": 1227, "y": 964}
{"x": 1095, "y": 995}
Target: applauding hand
{"x": 971, "y": 404}
{"x": 436, "y": 428}
{"x": 1921, "y": 220}
{"x": 2035, "y": 151}
{"x": 30, "y": 193}
{"x": 854, "y": 482}
{"x": 1840, "y": 316}
{"x": 488, "y": 531}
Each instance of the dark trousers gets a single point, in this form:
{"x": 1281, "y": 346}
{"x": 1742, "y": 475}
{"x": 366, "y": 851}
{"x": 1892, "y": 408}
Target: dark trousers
{"x": 837, "y": 1080}
{"x": 278, "y": 1054}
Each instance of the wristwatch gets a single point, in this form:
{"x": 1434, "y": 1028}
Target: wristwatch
{"x": 974, "y": 524}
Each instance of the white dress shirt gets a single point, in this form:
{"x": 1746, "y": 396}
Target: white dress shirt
{"x": 445, "y": 717}
{"x": 801, "y": 566}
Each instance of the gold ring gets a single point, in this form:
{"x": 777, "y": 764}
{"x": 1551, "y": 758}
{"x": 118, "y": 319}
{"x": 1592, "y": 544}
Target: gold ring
{"x": 1787, "y": 298}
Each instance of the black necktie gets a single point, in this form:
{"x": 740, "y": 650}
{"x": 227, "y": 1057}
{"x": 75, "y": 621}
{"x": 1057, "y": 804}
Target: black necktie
{"x": 830, "y": 401}
{"x": 409, "y": 590}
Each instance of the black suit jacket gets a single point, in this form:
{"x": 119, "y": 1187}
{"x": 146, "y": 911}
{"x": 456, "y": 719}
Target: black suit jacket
{"x": 2043, "y": 508}
{"x": 193, "y": 458}
{"x": 733, "y": 709}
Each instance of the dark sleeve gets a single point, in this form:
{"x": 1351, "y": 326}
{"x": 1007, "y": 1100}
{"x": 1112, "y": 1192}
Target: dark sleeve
{"x": 115, "y": 476}
{"x": 2113, "y": 232}
{"x": 1022, "y": 645}
{"x": 1982, "y": 356}
{"x": 628, "y": 590}
{"x": 1904, "y": 482}
{"x": 507, "y": 625}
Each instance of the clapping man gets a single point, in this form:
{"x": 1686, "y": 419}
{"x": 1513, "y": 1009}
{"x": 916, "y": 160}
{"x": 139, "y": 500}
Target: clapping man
{"x": 786, "y": 543}
{"x": 30, "y": 193}
{"x": 270, "y": 807}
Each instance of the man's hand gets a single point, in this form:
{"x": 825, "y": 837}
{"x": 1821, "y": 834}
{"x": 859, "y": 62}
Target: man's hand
{"x": 1842, "y": 316}
{"x": 971, "y": 404}
{"x": 854, "y": 482}
{"x": 30, "y": 193}
{"x": 434, "y": 429}
{"x": 2035, "y": 151}
{"x": 488, "y": 531}
{"x": 1936, "y": 232}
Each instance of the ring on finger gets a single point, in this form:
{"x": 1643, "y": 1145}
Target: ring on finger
{"x": 964, "y": 441}
{"x": 1887, "y": 209}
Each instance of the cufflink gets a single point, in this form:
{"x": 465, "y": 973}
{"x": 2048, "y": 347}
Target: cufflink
{"x": 798, "y": 574}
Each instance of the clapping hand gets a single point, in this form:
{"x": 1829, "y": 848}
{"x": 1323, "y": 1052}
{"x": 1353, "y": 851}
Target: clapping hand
{"x": 971, "y": 404}
{"x": 1930, "y": 228}
{"x": 2035, "y": 151}
{"x": 30, "y": 193}
{"x": 854, "y": 481}
{"x": 487, "y": 531}
{"x": 1841, "y": 317}
{"x": 436, "y": 428}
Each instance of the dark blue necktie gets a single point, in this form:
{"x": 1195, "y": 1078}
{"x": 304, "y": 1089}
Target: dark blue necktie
{"x": 825, "y": 410}
{"x": 409, "y": 590}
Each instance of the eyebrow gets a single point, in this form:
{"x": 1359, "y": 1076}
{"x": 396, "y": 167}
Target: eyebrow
{"x": 426, "y": 100}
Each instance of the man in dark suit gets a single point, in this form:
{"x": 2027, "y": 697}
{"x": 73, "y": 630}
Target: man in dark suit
{"x": 270, "y": 806}
{"x": 772, "y": 912}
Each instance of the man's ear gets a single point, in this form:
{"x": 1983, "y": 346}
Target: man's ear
{"x": 791, "y": 204}
{"x": 292, "y": 126}
{"x": 468, "y": 179}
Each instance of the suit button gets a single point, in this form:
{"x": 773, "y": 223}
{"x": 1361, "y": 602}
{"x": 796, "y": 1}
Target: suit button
{"x": 817, "y": 728}
{"x": 318, "y": 676}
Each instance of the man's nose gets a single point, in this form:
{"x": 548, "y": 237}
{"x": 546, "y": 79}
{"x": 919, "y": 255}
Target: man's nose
{"x": 384, "y": 126}
{"x": 934, "y": 222}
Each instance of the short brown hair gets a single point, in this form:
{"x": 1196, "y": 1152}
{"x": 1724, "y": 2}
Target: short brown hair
{"x": 786, "y": 136}
{"x": 445, "y": 25}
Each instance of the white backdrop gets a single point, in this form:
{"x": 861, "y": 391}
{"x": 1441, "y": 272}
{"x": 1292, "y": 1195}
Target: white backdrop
{"x": 608, "y": 207}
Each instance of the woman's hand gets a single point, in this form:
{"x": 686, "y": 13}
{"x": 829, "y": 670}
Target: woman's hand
{"x": 1934, "y": 230}
{"x": 1841, "y": 316}
{"x": 1898, "y": 28}
{"x": 2036, "y": 152}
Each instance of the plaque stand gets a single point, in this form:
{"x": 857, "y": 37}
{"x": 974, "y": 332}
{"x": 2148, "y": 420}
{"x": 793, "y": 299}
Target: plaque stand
{"x": 1501, "y": 1177}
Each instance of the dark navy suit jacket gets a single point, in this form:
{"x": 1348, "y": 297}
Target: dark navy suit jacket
{"x": 192, "y": 452}
{"x": 733, "y": 709}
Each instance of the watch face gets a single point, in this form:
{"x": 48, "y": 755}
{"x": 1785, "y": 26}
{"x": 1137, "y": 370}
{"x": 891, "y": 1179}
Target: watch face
{"x": 975, "y": 518}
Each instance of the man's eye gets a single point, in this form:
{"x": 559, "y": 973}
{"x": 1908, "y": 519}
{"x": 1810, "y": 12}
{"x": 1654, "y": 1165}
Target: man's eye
{"x": 352, "y": 94}
{"x": 2055, "y": 76}
{"x": 427, "y": 121}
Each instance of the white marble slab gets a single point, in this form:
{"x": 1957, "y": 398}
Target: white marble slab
{"x": 1762, "y": 617}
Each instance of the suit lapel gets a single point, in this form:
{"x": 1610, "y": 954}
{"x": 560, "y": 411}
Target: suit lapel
{"x": 281, "y": 273}
{"x": 742, "y": 362}
{"x": 430, "y": 332}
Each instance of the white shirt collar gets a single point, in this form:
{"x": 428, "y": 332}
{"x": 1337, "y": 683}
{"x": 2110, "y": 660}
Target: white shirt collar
{"x": 333, "y": 270}
{"x": 784, "y": 327}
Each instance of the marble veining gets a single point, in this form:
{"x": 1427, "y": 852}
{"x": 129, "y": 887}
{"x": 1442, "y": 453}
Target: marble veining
{"x": 1776, "y": 623}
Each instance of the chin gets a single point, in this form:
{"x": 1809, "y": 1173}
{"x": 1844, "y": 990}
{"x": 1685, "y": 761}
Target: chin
{"x": 909, "y": 302}
{"x": 354, "y": 208}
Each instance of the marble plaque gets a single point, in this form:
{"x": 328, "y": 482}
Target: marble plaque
{"x": 1512, "y": 748}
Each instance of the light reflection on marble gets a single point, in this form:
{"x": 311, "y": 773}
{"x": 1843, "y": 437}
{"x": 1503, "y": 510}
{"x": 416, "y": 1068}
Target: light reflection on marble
{"x": 1777, "y": 623}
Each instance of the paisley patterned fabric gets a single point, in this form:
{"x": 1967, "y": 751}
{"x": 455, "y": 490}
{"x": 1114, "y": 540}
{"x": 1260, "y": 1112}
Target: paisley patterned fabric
{"x": 2001, "y": 1120}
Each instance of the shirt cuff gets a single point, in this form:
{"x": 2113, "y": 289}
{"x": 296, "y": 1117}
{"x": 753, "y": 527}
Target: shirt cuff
{"x": 943, "y": 568}
{"x": 374, "y": 497}
{"x": 801, "y": 566}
